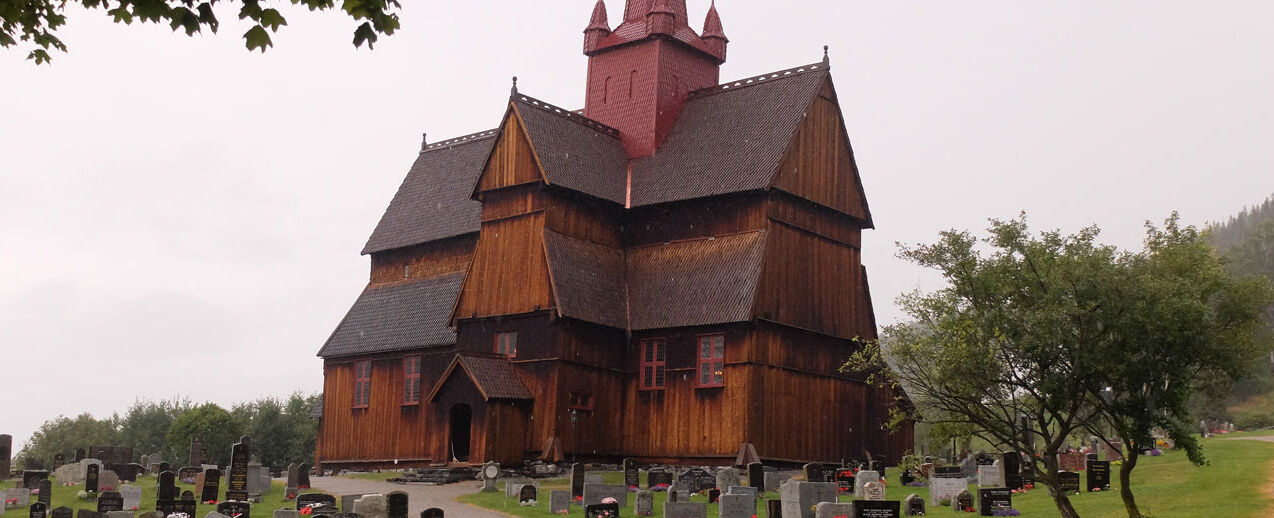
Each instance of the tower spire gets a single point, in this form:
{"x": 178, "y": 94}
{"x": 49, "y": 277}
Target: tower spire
{"x": 713, "y": 33}
{"x": 598, "y": 28}
{"x": 661, "y": 19}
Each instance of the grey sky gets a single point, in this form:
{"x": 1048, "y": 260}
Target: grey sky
{"x": 181, "y": 217}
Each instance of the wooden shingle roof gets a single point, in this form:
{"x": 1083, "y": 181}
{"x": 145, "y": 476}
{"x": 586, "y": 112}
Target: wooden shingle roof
{"x": 494, "y": 377}
{"x": 397, "y": 317}
{"x": 576, "y": 152}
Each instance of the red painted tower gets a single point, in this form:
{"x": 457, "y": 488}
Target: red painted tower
{"x": 639, "y": 73}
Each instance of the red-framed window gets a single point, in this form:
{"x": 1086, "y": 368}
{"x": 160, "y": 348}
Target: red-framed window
{"x": 711, "y": 371}
{"x": 507, "y": 343}
{"x": 654, "y": 357}
{"x": 581, "y": 401}
{"x": 362, "y": 383}
{"x": 411, "y": 380}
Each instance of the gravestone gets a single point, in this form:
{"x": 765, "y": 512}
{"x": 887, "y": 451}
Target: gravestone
{"x": 874, "y": 491}
{"x": 110, "y": 501}
{"x": 560, "y": 502}
{"x": 88, "y": 513}
{"x": 990, "y": 476}
{"x": 58, "y": 459}
{"x": 313, "y": 500}
{"x": 132, "y": 497}
{"x": 964, "y": 500}
{"x": 750, "y": 491}
{"x": 69, "y": 474}
{"x": 632, "y": 477}
{"x": 347, "y": 501}
{"x": 698, "y": 479}
{"x": 371, "y": 506}
{"x": 396, "y": 504}
{"x": 774, "y": 479}
{"x": 737, "y": 506}
{"x": 187, "y": 475}
{"x": 237, "y": 476}
{"x": 756, "y": 475}
{"x": 263, "y": 481}
{"x": 679, "y": 491}
{"x": 215, "y": 514}
{"x": 799, "y": 498}
{"x": 877, "y": 508}
{"x": 861, "y": 479}
{"x": 644, "y": 504}
{"x": 833, "y": 510}
{"x": 686, "y": 510}
{"x": 1012, "y": 462}
{"x": 286, "y": 513}
{"x": 601, "y": 510}
{"x": 432, "y": 512}
{"x": 813, "y": 472}
{"x": 303, "y": 476}
{"x": 146, "y": 461}
{"x": 726, "y": 477}
{"x": 913, "y": 505}
{"x": 254, "y": 480}
{"x": 513, "y": 485}
{"x": 186, "y": 504}
{"x": 119, "y": 514}
{"x": 1098, "y": 475}
{"x": 22, "y": 497}
{"x": 595, "y": 493}
{"x": 37, "y": 510}
{"x": 6, "y": 456}
{"x": 109, "y": 480}
{"x": 845, "y": 480}
{"x": 1071, "y": 461}
{"x": 198, "y": 455}
{"x": 166, "y": 493}
{"x": 129, "y": 472}
{"x": 46, "y": 493}
{"x": 164, "y": 466}
{"x": 92, "y": 473}
{"x": 577, "y": 480}
{"x": 31, "y": 478}
{"x": 774, "y": 508}
{"x": 658, "y": 477}
{"x": 528, "y": 493}
{"x": 1069, "y": 481}
{"x": 989, "y": 500}
{"x": 714, "y": 495}
{"x": 293, "y": 479}
{"x": 945, "y": 488}
{"x": 490, "y": 472}
{"x": 62, "y": 512}
{"x": 235, "y": 509}
{"x": 211, "y": 486}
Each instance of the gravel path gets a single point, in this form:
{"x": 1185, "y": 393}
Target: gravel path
{"x": 421, "y": 496}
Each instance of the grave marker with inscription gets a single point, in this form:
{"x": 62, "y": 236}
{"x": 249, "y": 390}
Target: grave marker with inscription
{"x": 1098, "y": 475}
{"x": 237, "y": 477}
{"x": 1069, "y": 481}
{"x": 990, "y": 500}
{"x": 877, "y": 508}
{"x": 632, "y": 477}
{"x": 110, "y": 501}
{"x": 560, "y": 502}
{"x": 211, "y": 486}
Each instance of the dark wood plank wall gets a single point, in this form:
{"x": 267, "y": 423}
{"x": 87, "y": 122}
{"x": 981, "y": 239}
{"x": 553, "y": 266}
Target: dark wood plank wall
{"x": 458, "y": 389}
{"x": 423, "y": 261}
{"x": 810, "y": 282}
{"x": 513, "y": 201}
{"x": 819, "y": 164}
{"x": 512, "y": 160}
{"x": 509, "y": 274}
{"x": 592, "y": 360}
{"x": 805, "y": 215}
{"x": 695, "y": 218}
{"x": 584, "y": 218}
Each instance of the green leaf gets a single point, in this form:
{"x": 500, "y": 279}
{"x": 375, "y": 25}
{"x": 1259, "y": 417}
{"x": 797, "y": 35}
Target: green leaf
{"x": 257, "y": 38}
{"x": 365, "y": 33}
{"x": 272, "y": 19}
{"x": 121, "y": 14}
{"x": 40, "y": 56}
{"x": 207, "y": 17}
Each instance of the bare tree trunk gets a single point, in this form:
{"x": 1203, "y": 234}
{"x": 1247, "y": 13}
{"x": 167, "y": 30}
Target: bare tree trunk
{"x": 1125, "y": 487}
{"x": 1054, "y": 484}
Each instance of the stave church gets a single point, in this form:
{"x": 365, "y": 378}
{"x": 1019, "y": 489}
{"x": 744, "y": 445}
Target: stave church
{"x": 672, "y": 273}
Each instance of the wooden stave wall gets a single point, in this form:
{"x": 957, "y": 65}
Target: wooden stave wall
{"x": 512, "y": 160}
{"x": 819, "y": 165}
{"x": 426, "y": 260}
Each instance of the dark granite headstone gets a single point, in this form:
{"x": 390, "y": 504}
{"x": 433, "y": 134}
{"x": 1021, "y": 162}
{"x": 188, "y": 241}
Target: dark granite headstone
{"x": 632, "y": 477}
{"x": 164, "y": 466}
{"x": 92, "y": 474}
{"x": 237, "y": 477}
{"x": 845, "y": 480}
{"x": 211, "y": 486}
{"x": 80, "y": 454}
{"x": 235, "y": 509}
{"x": 37, "y": 510}
{"x": 31, "y": 478}
{"x": 962, "y": 501}
{"x": 432, "y": 512}
{"x": 1098, "y": 475}
{"x": 198, "y": 455}
{"x": 601, "y": 511}
{"x": 813, "y": 472}
{"x": 756, "y": 476}
{"x": 186, "y": 505}
{"x": 913, "y": 505}
{"x": 62, "y": 512}
{"x": 396, "y": 504}
{"x": 989, "y": 500}
{"x": 526, "y": 494}
{"x": 6, "y": 456}
{"x": 1069, "y": 481}
{"x": 698, "y": 479}
{"x": 774, "y": 508}
{"x": 88, "y": 513}
{"x": 110, "y": 501}
{"x": 1012, "y": 462}
{"x": 906, "y": 477}
{"x": 58, "y": 459}
{"x": 577, "y": 481}
{"x": 303, "y": 476}
{"x": 983, "y": 459}
{"x": 876, "y": 508}
{"x": 657, "y": 477}
{"x": 166, "y": 493}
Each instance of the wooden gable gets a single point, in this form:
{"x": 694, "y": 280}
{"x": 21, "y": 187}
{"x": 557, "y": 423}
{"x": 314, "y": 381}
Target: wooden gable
{"x": 509, "y": 274}
{"x": 513, "y": 160}
{"x": 819, "y": 164}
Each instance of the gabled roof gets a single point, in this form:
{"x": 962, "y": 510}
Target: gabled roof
{"x": 575, "y": 152}
{"x": 433, "y": 201}
{"x": 728, "y": 138}
{"x": 588, "y": 280}
{"x": 397, "y": 317}
{"x": 494, "y": 377}
{"x": 694, "y": 282}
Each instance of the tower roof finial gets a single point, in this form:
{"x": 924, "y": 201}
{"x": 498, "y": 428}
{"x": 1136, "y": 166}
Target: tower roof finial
{"x": 598, "y": 20}
{"x": 514, "y": 90}
{"x": 826, "y": 60}
{"x": 712, "y": 24}
{"x": 424, "y": 141}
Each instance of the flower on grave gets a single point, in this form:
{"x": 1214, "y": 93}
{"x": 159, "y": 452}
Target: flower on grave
{"x": 35, "y": 491}
{"x": 609, "y": 500}
{"x": 633, "y": 489}
{"x": 1006, "y": 511}
{"x": 1096, "y": 489}
{"x": 306, "y": 510}
{"x": 969, "y": 509}
{"x": 579, "y": 499}
{"x": 291, "y": 497}
{"x": 134, "y": 508}
{"x": 529, "y": 503}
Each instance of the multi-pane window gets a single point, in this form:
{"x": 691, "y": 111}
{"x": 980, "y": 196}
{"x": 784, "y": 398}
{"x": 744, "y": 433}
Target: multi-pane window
{"x": 581, "y": 401}
{"x": 411, "y": 380}
{"x": 711, "y": 361}
{"x": 362, "y": 383}
{"x": 507, "y": 343}
{"x": 653, "y": 361}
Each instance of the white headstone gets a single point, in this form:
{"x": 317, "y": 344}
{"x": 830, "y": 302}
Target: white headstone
{"x": 372, "y": 506}
{"x": 132, "y": 496}
{"x": 861, "y": 480}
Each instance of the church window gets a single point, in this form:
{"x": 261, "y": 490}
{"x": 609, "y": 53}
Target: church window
{"x": 362, "y": 384}
{"x": 411, "y": 380}
{"x": 581, "y": 401}
{"x": 507, "y": 343}
{"x": 711, "y": 361}
{"x": 653, "y": 363}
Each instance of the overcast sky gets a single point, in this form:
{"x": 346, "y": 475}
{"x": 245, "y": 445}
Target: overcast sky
{"x": 181, "y": 217}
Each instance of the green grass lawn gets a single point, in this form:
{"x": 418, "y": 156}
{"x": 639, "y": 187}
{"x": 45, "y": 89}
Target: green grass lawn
{"x": 66, "y": 496}
{"x": 1235, "y": 484}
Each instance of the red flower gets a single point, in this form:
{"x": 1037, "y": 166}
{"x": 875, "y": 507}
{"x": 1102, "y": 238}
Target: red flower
{"x": 306, "y": 511}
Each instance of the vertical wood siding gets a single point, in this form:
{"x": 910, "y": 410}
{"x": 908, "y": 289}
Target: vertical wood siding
{"x": 819, "y": 165}
{"x": 509, "y": 274}
{"x": 423, "y": 261}
{"x": 810, "y": 282}
{"x": 512, "y": 160}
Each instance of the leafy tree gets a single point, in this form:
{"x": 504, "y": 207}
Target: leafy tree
{"x": 297, "y": 411}
{"x": 283, "y": 432}
{"x": 63, "y": 435}
{"x": 33, "y": 23}
{"x": 1176, "y": 323}
{"x": 216, "y": 428}
{"x": 145, "y": 427}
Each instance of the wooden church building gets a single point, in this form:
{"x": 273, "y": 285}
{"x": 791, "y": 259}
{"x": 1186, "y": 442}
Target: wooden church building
{"x": 670, "y": 273}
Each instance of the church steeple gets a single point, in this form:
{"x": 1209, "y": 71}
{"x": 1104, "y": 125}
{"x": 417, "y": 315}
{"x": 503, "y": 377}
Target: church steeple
{"x": 661, "y": 19}
{"x": 713, "y": 34}
{"x": 598, "y": 28}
